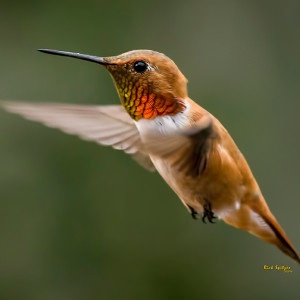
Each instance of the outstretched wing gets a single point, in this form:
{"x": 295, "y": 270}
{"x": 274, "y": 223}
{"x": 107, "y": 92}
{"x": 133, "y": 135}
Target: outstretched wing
{"x": 107, "y": 125}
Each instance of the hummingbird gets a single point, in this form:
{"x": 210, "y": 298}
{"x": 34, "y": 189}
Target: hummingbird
{"x": 160, "y": 127}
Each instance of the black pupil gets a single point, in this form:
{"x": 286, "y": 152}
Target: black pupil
{"x": 140, "y": 66}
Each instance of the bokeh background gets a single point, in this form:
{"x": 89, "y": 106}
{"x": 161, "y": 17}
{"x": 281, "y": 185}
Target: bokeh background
{"x": 79, "y": 221}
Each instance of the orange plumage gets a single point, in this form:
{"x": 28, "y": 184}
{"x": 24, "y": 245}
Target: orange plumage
{"x": 163, "y": 129}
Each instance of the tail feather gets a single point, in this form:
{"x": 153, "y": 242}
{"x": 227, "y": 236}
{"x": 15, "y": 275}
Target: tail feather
{"x": 259, "y": 221}
{"x": 281, "y": 240}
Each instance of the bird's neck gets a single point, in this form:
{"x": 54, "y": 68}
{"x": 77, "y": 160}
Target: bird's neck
{"x": 143, "y": 104}
{"x": 165, "y": 124}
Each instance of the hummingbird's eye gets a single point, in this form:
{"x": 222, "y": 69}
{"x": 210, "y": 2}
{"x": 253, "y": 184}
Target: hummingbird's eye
{"x": 140, "y": 66}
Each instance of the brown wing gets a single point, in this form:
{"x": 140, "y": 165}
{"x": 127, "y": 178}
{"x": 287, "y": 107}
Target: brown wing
{"x": 188, "y": 149}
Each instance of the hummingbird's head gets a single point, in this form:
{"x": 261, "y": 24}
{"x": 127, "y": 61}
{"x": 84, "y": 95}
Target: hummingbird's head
{"x": 149, "y": 83}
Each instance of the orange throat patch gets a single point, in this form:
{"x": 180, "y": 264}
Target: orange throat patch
{"x": 139, "y": 103}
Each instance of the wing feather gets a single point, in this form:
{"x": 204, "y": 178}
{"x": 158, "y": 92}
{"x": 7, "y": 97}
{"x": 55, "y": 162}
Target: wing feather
{"x": 106, "y": 125}
{"x": 188, "y": 149}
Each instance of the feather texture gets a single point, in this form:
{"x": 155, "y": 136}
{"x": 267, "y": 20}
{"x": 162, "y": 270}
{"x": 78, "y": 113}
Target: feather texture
{"x": 106, "y": 125}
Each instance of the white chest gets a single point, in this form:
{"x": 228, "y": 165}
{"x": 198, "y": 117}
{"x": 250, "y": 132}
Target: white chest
{"x": 164, "y": 125}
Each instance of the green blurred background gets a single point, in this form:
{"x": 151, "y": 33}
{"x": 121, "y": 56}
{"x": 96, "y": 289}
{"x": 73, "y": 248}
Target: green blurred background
{"x": 79, "y": 221}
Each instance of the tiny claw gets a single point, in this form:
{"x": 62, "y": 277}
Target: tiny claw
{"x": 208, "y": 213}
{"x": 193, "y": 212}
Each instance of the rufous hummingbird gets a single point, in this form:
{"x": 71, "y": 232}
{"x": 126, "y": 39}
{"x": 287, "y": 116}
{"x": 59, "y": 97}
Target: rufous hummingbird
{"x": 164, "y": 130}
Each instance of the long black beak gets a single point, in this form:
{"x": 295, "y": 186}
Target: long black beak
{"x": 96, "y": 59}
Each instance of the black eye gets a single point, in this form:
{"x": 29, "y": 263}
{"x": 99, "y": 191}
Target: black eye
{"x": 140, "y": 66}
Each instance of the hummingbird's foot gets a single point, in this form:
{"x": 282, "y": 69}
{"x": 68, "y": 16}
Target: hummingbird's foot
{"x": 194, "y": 214}
{"x": 208, "y": 213}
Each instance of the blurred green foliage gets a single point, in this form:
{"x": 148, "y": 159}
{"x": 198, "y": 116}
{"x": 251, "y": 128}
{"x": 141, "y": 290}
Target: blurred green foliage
{"x": 79, "y": 221}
